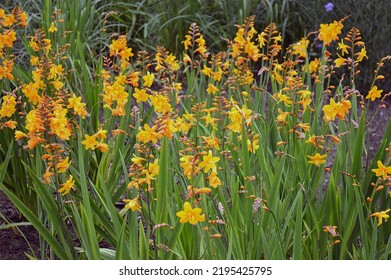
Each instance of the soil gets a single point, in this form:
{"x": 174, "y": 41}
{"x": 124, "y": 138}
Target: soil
{"x": 16, "y": 242}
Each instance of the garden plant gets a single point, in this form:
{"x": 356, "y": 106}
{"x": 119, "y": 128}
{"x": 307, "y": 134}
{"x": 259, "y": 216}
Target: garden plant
{"x": 259, "y": 151}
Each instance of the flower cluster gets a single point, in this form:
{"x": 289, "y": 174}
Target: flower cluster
{"x": 8, "y": 23}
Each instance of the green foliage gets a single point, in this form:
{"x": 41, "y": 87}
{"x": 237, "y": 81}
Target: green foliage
{"x": 258, "y": 182}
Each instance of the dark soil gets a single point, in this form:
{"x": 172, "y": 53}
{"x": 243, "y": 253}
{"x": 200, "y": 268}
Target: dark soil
{"x": 15, "y": 243}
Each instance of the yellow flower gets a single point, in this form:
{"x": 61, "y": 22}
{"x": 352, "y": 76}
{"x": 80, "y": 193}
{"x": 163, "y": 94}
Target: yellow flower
{"x": 125, "y": 54}
{"x": 305, "y": 102}
{"x": 132, "y": 204}
{"x": 78, "y": 106}
{"x": 382, "y": 170}
{"x": 336, "y": 109}
{"x": 47, "y": 44}
{"x": 8, "y": 106}
{"x": 161, "y": 104}
{"x": 313, "y": 66}
{"x": 137, "y": 160}
{"x": 340, "y": 61}
{"x": 31, "y": 92}
{"x": 149, "y": 134}
{"x": 300, "y": 48}
{"x": 186, "y": 58}
{"x": 57, "y": 84}
{"x": 190, "y": 215}
{"x": 261, "y": 39}
{"x": 141, "y": 95}
{"x": 317, "y": 159}
{"x": 209, "y": 120}
{"x": 67, "y": 186}
{"x": 59, "y": 124}
{"x": 304, "y": 126}
{"x": 312, "y": 140}
{"x": 236, "y": 120}
{"x": 212, "y": 89}
{"x": 281, "y": 117}
{"x": 209, "y": 162}
{"x": 34, "y": 122}
{"x": 214, "y": 181}
{"x": 173, "y": 62}
{"x": 117, "y": 45}
{"x": 8, "y": 20}
{"x": 206, "y": 71}
{"x": 153, "y": 168}
{"x": 330, "y": 32}
{"x": 52, "y": 28}
{"x": 187, "y": 43}
{"x": 374, "y": 93}
{"x": 201, "y": 46}
{"x": 101, "y": 133}
{"x": 212, "y": 141}
{"x": 380, "y": 216}
{"x": 343, "y": 47}
{"x": 55, "y": 71}
{"x": 63, "y": 165}
{"x": 343, "y": 109}
{"x": 90, "y": 142}
{"x": 284, "y": 98}
{"x": 19, "y": 135}
{"x": 187, "y": 163}
{"x": 361, "y": 55}
{"x": 254, "y": 145}
{"x": 6, "y": 69}
{"x": 252, "y": 51}
{"x": 148, "y": 79}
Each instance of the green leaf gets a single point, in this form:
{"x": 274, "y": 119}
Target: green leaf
{"x": 163, "y": 184}
{"x": 38, "y": 225}
{"x": 122, "y": 249}
{"x": 297, "y": 245}
{"x": 85, "y": 207}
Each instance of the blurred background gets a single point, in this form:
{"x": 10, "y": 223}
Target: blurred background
{"x": 150, "y": 23}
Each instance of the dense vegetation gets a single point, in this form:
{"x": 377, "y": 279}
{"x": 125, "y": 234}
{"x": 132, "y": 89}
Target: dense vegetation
{"x": 116, "y": 146}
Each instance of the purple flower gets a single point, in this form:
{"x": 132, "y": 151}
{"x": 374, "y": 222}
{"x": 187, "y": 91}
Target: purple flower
{"x": 329, "y": 7}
